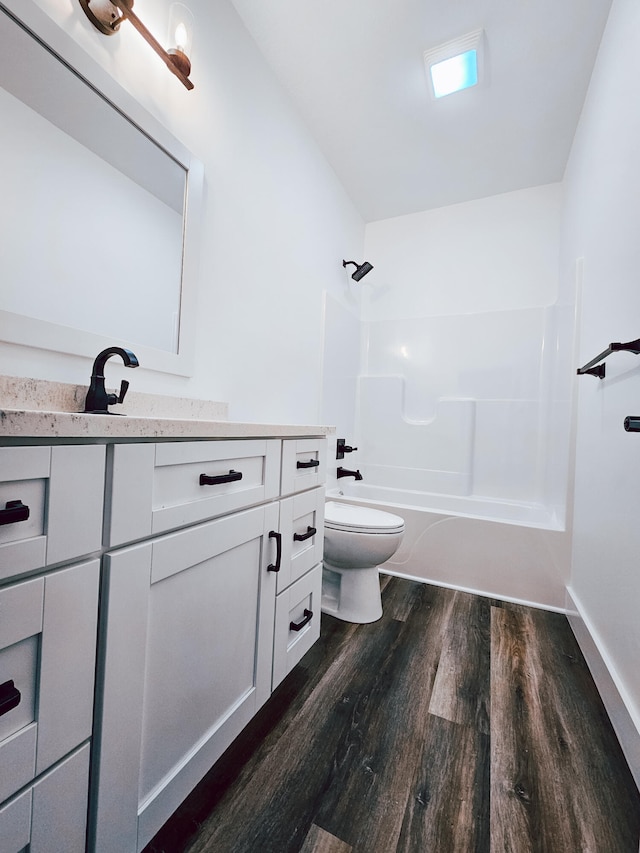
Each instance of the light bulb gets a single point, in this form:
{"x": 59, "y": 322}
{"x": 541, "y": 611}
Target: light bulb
{"x": 181, "y": 37}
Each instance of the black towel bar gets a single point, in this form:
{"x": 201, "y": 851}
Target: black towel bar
{"x": 594, "y": 368}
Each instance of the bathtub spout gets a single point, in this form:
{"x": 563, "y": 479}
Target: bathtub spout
{"x": 342, "y": 472}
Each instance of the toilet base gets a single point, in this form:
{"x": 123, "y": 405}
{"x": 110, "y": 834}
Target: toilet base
{"x": 352, "y": 595}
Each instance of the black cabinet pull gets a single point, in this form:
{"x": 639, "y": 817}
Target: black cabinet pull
{"x": 275, "y": 567}
{"x": 301, "y": 537}
{"x": 15, "y": 511}
{"x": 312, "y": 463}
{"x": 298, "y": 626}
{"x": 9, "y": 697}
{"x": 231, "y": 477}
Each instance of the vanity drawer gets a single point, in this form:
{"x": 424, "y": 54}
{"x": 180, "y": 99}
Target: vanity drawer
{"x": 304, "y": 464}
{"x": 52, "y": 813}
{"x": 302, "y": 529}
{"x": 46, "y": 708}
{"x": 159, "y": 487}
{"x": 51, "y": 502}
{"x": 297, "y": 624}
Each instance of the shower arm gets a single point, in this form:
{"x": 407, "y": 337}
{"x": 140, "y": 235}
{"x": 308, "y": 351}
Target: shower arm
{"x": 594, "y": 368}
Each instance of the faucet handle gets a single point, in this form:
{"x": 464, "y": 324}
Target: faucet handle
{"x": 124, "y": 387}
{"x": 112, "y": 399}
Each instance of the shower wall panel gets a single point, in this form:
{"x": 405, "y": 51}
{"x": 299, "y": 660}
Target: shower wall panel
{"x": 453, "y": 404}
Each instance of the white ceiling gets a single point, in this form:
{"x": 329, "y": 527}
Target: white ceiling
{"x": 355, "y": 71}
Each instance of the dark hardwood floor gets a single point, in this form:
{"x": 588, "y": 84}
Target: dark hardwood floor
{"x": 455, "y": 724}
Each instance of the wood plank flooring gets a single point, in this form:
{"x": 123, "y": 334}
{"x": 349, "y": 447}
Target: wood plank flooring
{"x": 455, "y": 724}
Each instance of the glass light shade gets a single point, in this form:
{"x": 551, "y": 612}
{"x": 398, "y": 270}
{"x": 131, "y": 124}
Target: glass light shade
{"x": 180, "y": 35}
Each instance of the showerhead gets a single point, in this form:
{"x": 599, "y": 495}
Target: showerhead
{"x": 361, "y": 269}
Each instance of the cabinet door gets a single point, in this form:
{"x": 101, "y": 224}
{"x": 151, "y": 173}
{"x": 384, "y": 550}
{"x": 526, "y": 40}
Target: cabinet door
{"x": 189, "y": 638}
{"x": 50, "y": 815}
{"x": 297, "y": 622}
{"x": 47, "y": 662}
{"x": 51, "y": 502}
{"x": 161, "y": 487}
{"x": 304, "y": 464}
{"x": 302, "y": 528}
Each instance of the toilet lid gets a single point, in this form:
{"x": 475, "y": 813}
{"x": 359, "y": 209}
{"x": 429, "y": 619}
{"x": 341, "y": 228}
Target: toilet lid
{"x": 360, "y": 519}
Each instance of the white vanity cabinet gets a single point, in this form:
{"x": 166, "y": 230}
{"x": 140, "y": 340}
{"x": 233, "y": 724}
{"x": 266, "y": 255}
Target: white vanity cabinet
{"x": 52, "y": 499}
{"x": 210, "y": 565}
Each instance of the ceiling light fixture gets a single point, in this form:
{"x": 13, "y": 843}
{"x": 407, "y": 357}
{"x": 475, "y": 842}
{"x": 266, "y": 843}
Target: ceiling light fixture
{"x": 107, "y": 15}
{"x": 455, "y": 65}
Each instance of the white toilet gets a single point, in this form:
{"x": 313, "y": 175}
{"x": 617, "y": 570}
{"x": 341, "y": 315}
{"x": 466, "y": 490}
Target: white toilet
{"x": 357, "y": 540}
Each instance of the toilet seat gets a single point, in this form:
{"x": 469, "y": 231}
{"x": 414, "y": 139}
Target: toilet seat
{"x": 360, "y": 519}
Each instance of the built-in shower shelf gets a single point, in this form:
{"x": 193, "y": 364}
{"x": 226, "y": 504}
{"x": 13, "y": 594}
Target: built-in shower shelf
{"x": 594, "y": 368}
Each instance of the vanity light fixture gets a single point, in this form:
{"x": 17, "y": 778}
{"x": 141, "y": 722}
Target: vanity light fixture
{"x": 360, "y": 269}
{"x": 456, "y": 65}
{"x": 107, "y": 15}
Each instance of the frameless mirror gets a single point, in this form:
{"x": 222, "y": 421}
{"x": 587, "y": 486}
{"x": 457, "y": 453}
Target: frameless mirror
{"x": 97, "y": 197}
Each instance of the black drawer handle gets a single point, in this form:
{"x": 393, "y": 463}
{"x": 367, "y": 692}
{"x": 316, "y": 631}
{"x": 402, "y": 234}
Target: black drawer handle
{"x": 231, "y": 477}
{"x": 312, "y": 463}
{"x": 275, "y": 567}
{"x": 15, "y": 511}
{"x": 9, "y": 697}
{"x": 301, "y": 537}
{"x": 298, "y": 626}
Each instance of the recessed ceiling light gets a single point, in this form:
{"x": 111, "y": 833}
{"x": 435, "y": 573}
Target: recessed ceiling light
{"x": 451, "y": 75}
{"x": 455, "y": 65}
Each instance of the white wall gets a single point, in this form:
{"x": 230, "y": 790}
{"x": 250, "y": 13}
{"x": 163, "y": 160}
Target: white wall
{"x": 276, "y": 222}
{"x": 461, "y": 305}
{"x": 602, "y": 222}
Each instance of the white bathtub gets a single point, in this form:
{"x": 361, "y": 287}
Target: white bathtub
{"x": 516, "y": 552}
{"x": 467, "y": 506}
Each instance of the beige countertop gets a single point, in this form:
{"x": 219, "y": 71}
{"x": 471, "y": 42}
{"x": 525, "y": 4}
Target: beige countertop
{"x": 23, "y": 424}
{"x": 33, "y": 410}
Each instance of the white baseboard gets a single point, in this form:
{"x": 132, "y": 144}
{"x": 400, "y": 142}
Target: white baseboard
{"x": 624, "y": 721}
{"x": 386, "y": 571}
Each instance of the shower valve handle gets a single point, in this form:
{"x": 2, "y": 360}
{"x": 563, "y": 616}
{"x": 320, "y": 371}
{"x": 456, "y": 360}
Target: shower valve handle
{"x": 342, "y": 447}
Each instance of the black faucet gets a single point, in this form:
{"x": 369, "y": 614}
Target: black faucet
{"x": 98, "y": 399}
{"x": 342, "y": 472}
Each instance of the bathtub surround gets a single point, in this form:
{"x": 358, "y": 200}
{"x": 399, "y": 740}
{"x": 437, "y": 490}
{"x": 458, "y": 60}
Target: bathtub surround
{"x": 457, "y": 325}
